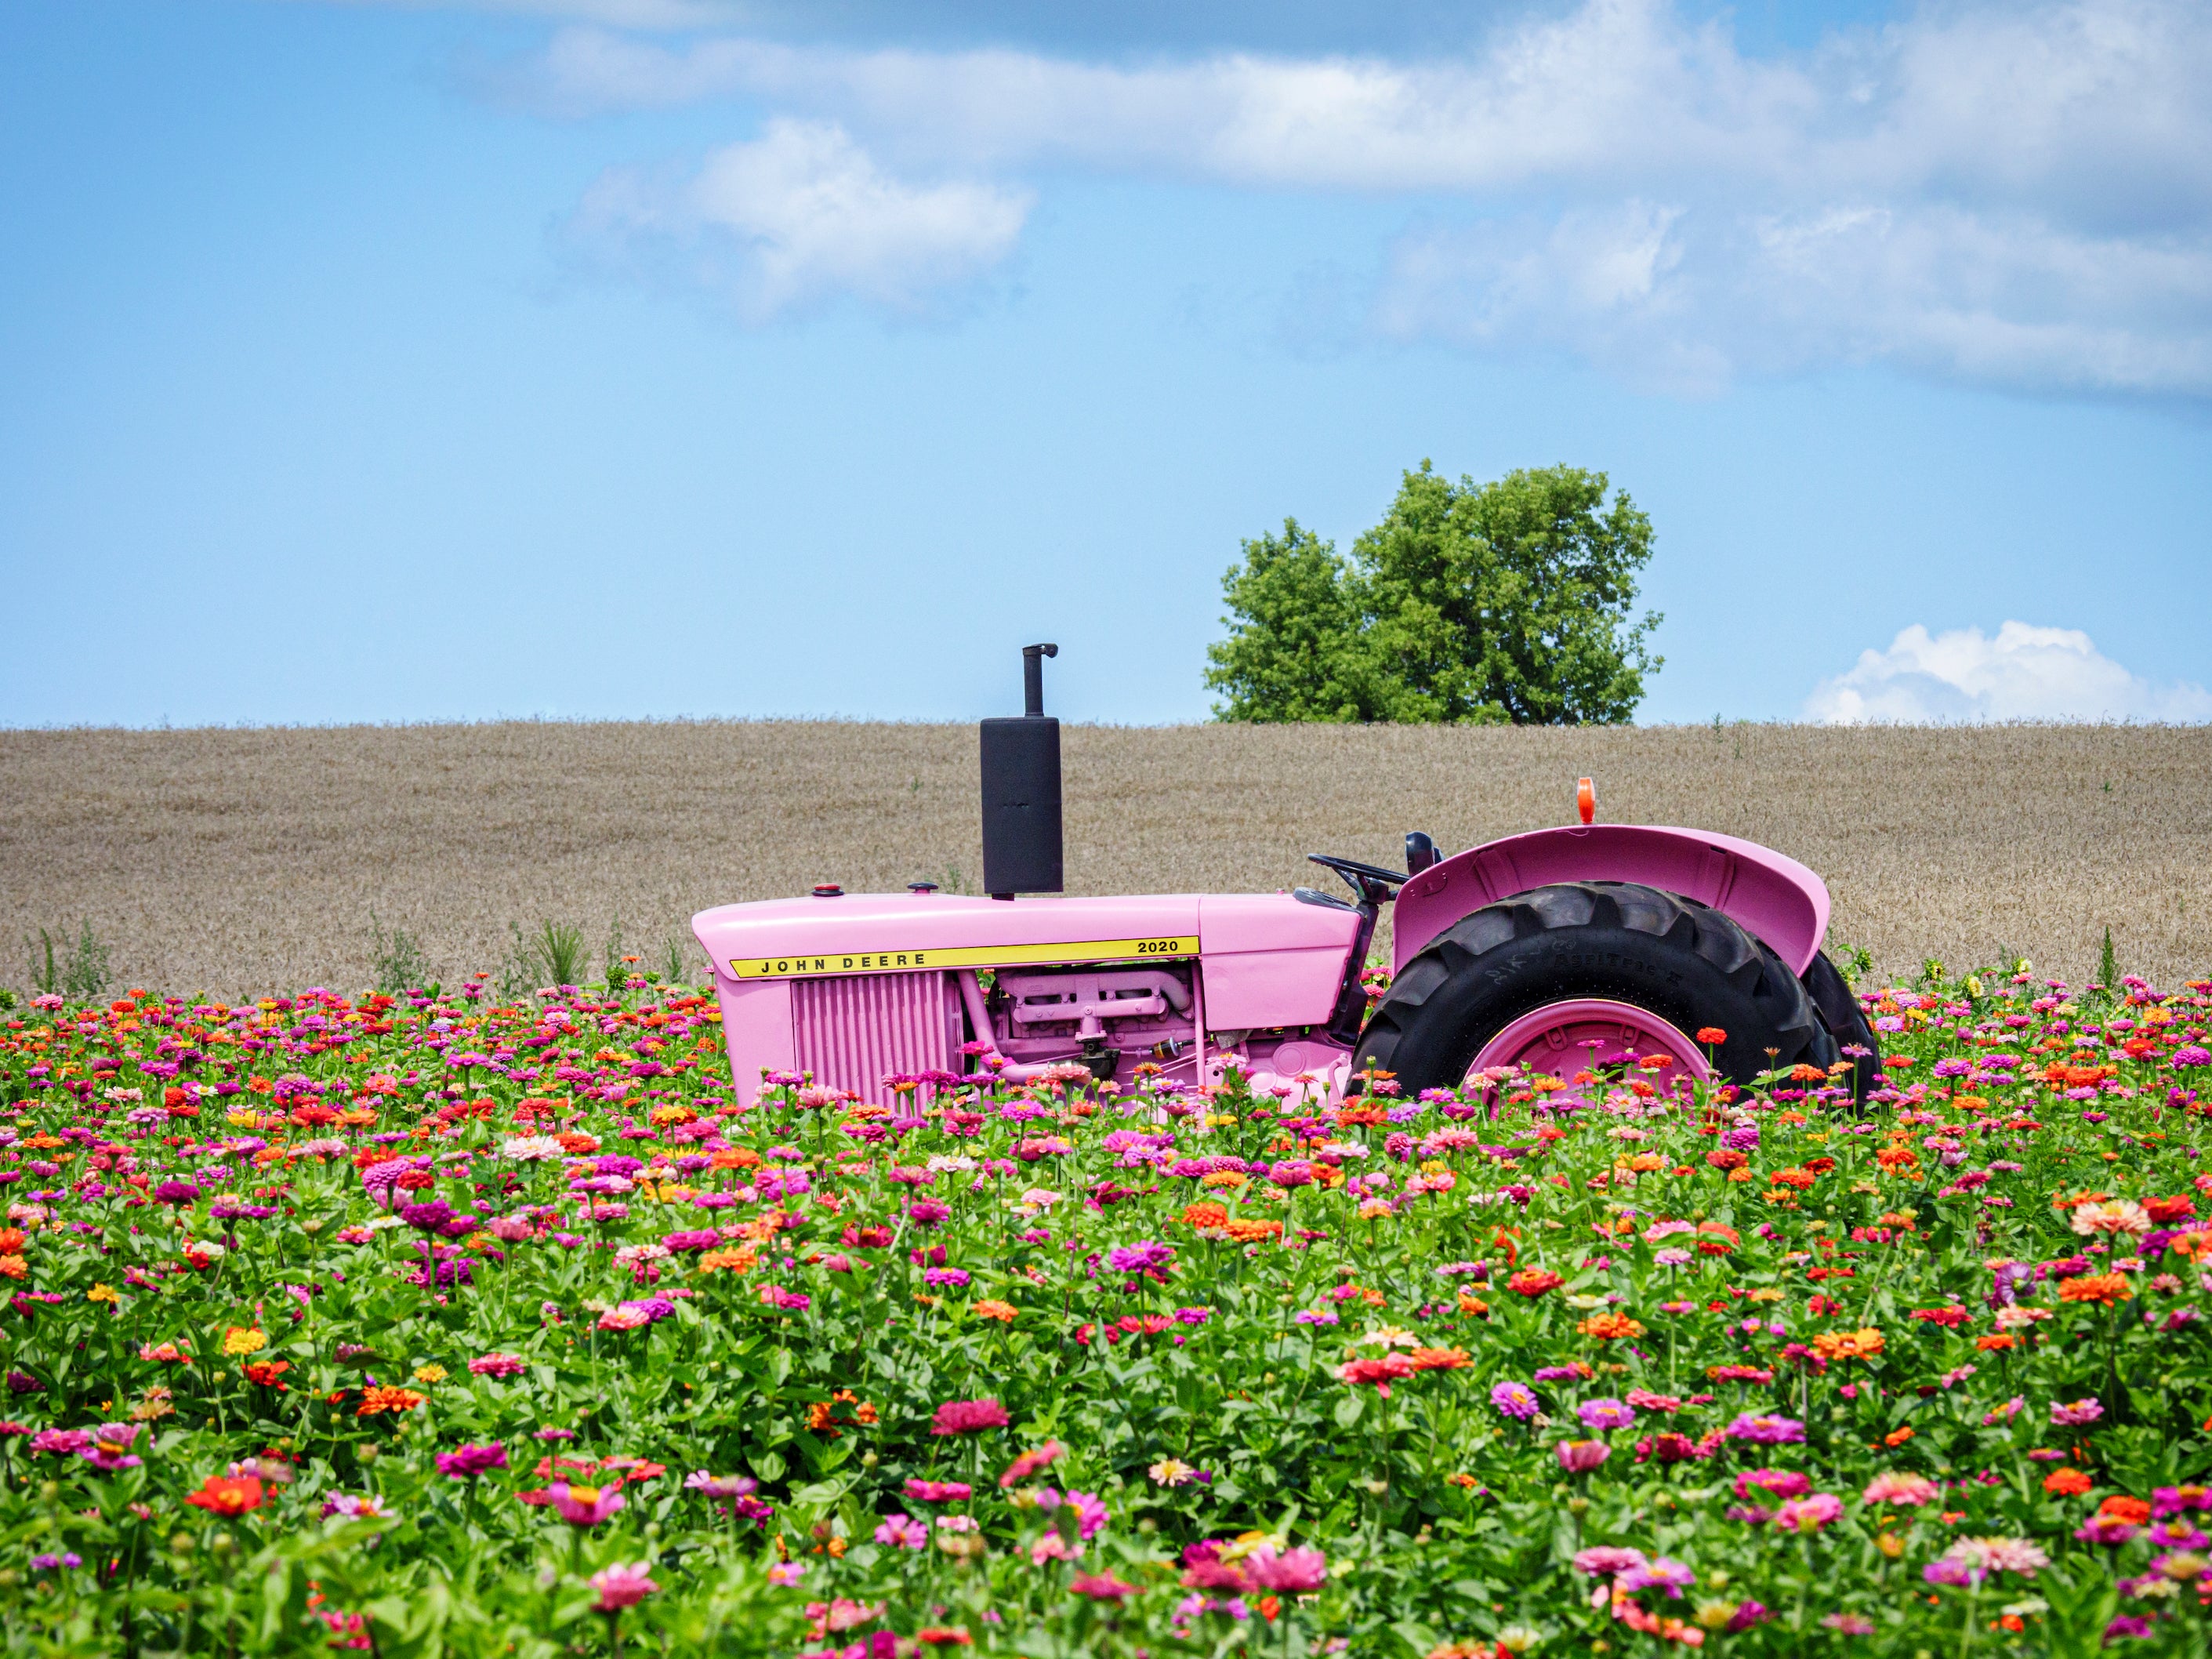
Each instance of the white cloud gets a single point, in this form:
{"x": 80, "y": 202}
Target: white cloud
{"x": 2016, "y": 195}
{"x": 801, "y": 215}
{"x": 2025, "y": 673}
{"x": 1686, "y": 298}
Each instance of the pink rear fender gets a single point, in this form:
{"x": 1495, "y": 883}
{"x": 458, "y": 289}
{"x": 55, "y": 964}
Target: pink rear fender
{"x": 1776, "y": 899}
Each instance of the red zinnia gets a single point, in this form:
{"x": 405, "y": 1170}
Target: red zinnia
{"x": 226, "y": 1496}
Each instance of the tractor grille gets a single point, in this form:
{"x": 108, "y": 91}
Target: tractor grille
{"x": 854, "y": 1029}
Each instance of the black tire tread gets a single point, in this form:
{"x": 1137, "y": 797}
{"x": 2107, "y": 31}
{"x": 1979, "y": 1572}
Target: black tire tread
{"x": 1411, "y": 1030}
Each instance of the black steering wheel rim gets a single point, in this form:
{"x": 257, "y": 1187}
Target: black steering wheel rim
{"x": 1372, "y": 882}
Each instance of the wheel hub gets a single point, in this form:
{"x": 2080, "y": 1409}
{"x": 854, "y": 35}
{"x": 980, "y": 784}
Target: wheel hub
{"x": 1592, "y": 1033}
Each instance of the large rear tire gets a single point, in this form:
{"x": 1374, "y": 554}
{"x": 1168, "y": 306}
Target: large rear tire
{"x": 1839, "y": 1010}
{"x": 1576, "y": 942}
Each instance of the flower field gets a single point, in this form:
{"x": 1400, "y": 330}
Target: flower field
{"x": 420, "y": 1325}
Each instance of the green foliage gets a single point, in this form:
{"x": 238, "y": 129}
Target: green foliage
{"x": 1852, "y": 962}
{"x": 397, "y": 959}
{"x": 1324, "y": 1377}
{"x": 1293, "y": 650}
{"x": 614, "y": 956}
{"x": 1469, "y": 603}
{"x": 46, "y": 970}
{"x": 2108, "y": 964}
{"x": 83, "y": 976}
{"x": 552, "y": 954}
{"x": 558, "y": 949}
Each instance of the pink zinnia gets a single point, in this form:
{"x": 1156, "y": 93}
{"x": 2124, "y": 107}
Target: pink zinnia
{"x": 937, "y": 1492}
{"x": 1905, "y": 1491}
{"x": 1808, "y": 1514}
{"x": 1580, "y": 1456}
{"x": 587, "y": 1506}
{"x": 1030, "y": 1461}
{"x": 902, "y": 1532}
{"x": 623, "y": 1585}
{"x": 969, "y": 1417}
{"x": 1609, "y": 1560}
{"x": 468, "y": 1461}
{"x": 1100, "y": 1586}
{"x": 1772, "y": 1483}
{"x": 498, "y": 1364}
{"x": 1297, "y": 1572}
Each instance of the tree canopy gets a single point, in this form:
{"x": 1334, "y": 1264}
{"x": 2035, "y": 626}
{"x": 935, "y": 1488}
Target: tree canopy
{"x": 1476, "y": 604}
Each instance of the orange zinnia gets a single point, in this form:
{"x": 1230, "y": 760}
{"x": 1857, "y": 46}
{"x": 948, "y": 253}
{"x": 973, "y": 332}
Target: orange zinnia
{"x": 1863, "y": 1344}
{"x": 1439, "y": 1360}
{"x": 386, "y": 1398}
{"x": 1254, "y": 1232}
{"x": 1205, "y": 1215}
{"x": 988, "y": 1308}
{"x": 1609, "y": 1327}
{"x": 2066, "y": 1483}
{"x": 2106, "y": 1288}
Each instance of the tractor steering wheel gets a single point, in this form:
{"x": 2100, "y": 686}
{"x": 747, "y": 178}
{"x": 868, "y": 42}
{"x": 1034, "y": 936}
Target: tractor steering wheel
{"x": 1373, "y": 884}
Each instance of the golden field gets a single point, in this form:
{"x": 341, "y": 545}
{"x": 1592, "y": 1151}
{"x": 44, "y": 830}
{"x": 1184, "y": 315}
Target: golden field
{"x": 235, "y": 861}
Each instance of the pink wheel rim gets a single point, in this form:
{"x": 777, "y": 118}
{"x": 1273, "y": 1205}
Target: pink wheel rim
{"x": 1561, "y": 1038}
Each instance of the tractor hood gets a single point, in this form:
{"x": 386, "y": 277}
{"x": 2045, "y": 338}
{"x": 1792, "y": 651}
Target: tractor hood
{"x": 1250, "y": 941}
{"x": 892, "y": 932}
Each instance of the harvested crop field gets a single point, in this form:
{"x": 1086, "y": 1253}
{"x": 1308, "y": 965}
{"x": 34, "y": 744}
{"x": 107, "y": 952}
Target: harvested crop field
{"x": 237, "y": 861}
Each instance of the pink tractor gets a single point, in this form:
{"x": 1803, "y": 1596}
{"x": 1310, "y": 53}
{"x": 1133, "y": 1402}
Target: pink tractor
{"x": 1591, "y": 945}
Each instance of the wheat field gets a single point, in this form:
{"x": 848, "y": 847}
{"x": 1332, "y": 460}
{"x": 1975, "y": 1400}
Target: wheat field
{"x": 237, "y": 861}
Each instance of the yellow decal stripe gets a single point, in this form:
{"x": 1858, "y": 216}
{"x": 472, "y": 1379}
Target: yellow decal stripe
{"x": 964, "y": 956}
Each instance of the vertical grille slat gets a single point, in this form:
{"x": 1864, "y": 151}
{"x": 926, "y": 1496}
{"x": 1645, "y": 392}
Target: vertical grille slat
{"x": 854, "y": 1029}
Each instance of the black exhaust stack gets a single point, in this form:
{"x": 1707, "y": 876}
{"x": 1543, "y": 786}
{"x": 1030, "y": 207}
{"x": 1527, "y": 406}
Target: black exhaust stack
{"x": 1021, "y": 791}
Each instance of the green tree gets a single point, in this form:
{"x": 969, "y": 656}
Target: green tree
{"x": 1481, "y": 603}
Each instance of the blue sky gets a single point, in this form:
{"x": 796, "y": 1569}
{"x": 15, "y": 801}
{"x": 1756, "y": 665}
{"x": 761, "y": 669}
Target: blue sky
{"x": 658, "y": 357}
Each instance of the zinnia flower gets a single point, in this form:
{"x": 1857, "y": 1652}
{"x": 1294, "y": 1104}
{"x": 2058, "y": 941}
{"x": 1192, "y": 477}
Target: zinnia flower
{"x": 1905, "y": 1491}
{"x": 1296, "y": 1572}
{"x": 968, "y": 1417}
{"x": 1512, "y": 1400}
{"x": 1100, "y": 1586}
{"x": 1029, "y": 1463}
{"x": 1808, "y": 1514}
{"x": 221, "y": 1495}
{"x": 469, "y": 1462}
{"x": 937, "y": 1492}
{"x": 587, "y": 1506}
{"x": 1765, "y": 1431}
{"x": 902, "y": 1532}
{"x": 623, "y": 1585}
{"x": 1601, "y": 1414}
{"x": 1609, "y": 1560}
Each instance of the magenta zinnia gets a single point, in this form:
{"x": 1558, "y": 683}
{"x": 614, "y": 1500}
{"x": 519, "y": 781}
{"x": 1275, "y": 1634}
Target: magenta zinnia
{"x": 968, "y": 1417}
